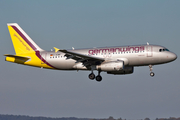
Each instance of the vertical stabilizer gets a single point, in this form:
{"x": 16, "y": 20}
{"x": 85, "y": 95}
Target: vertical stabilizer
{"x": 21, "y": 41}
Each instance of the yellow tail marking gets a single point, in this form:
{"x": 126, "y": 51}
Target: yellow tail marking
{"x": 24, "y": 52}
{"x": 19, "y": 43}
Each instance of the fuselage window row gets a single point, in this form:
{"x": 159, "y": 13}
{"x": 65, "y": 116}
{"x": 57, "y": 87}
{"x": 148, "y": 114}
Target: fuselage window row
{"x": 116, "y": 53}
{"x": 58, "y": 56}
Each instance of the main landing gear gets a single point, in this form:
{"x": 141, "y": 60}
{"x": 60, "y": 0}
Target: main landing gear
{"x": 92, "y": 75}
{"x": 98, "y": 77}
{"x": 151, "y": 73}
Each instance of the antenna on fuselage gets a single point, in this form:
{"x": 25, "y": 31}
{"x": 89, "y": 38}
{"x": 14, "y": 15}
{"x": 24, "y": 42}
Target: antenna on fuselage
{"x": 73, "y": 48}
{"x": 147, "y": 43}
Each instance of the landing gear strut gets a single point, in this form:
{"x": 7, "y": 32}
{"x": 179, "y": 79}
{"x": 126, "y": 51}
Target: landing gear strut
{"x": 92, "y": 75}
{"x": 151, "y": 73}
{"x": 98, "y": 77}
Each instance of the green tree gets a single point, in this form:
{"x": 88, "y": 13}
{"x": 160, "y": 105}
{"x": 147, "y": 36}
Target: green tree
{"x": 146, "y": 119}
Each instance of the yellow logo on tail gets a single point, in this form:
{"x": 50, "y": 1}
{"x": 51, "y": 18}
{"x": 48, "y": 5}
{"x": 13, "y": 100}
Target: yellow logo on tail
{"x": 27, "y": 51}
{"x": 22, "y": 42}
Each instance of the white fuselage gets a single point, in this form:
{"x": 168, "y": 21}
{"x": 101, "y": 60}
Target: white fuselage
{"x": 136, "y": 55}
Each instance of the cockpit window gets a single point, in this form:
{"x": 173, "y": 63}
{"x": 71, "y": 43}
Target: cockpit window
{"x": 161, "y": 50}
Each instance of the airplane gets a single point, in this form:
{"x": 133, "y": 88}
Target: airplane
{"x": 117, "y": 60}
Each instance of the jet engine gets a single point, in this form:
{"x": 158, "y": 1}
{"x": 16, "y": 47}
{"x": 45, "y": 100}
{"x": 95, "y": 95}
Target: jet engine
{"x": 111, "y": 66}
{"x": 126, "y": 70}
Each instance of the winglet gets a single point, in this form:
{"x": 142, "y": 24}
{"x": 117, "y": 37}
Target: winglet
{"x": 56, "y": 49}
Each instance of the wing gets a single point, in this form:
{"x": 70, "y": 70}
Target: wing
{"x": 85, "y": 59}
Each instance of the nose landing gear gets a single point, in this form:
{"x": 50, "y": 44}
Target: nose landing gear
{"x": 151, "y": 73}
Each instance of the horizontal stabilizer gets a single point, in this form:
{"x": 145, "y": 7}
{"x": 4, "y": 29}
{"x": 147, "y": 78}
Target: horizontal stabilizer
{"x": 16, "y": 59}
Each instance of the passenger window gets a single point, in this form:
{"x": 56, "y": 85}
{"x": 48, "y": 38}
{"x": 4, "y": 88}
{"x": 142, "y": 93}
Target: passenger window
{"x": 160, "y": 50}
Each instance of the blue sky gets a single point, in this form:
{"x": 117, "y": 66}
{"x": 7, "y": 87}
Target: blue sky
{"x": 83, "y": 24}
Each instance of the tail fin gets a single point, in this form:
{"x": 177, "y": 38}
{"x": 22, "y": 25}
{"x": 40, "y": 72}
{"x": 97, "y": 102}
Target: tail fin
{"x": 21, "y": 41}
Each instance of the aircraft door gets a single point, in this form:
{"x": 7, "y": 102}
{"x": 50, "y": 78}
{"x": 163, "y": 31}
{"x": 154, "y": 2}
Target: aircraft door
{"x": 149, "y": 51}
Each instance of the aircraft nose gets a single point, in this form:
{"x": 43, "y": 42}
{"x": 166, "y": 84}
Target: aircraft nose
{"x": 173, "y": 56}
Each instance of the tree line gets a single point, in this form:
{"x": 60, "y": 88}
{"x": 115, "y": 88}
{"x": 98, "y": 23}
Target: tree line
{"x": 23, "y": 117}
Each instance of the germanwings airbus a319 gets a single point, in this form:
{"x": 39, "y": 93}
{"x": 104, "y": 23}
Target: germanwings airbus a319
{"x": 116, "y": 60}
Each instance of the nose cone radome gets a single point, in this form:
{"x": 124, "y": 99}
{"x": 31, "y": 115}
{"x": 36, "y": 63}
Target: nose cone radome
{"x": 173, "y": 56}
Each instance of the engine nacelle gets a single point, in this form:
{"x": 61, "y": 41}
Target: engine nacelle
{"x": 111, "y": 66}
{"x": 126, "y": 70}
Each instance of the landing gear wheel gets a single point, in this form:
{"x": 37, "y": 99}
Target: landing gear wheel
{"x": 152, "y": 74}
{"x": 91, "y": 76}
{"x": 98, "y": 78}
